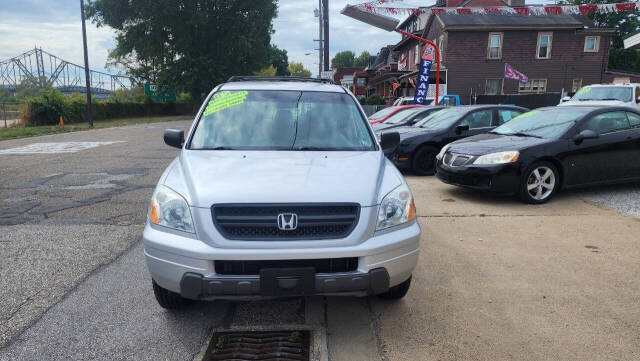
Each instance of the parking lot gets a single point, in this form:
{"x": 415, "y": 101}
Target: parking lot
{"x": 496, "y": 280}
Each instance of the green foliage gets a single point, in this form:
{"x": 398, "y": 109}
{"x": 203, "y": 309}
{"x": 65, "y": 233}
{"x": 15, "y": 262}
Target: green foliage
{"x": 362, "y": 60}
{"x": 343, "y": 59}
{"x": 268, "y": 71}
{"x": 374, "y": 99}
{"x": 190, "y": 45}
{"x": 297, "y": 69}
{"x": 5, "y": 94}
{"x": 280, "y": 61}
{"x": 624, "y": 24}
{"x": 47, "y": 108}
{"x": 184, "y": 98}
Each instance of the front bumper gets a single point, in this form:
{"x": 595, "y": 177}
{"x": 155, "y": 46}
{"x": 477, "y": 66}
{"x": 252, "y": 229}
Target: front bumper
{"x": 384, "y": 260}
{"x": 500, "y": 178}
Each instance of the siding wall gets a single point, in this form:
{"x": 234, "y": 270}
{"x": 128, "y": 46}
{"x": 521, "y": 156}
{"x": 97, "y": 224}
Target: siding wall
{"x": 465, "y": 57}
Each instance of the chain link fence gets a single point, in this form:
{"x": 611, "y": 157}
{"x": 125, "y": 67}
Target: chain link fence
{"x": 9, "y": 114}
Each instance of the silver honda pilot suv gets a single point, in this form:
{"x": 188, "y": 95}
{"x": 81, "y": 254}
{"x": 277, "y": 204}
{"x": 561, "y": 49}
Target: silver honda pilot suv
{"x": 280, "y": 189}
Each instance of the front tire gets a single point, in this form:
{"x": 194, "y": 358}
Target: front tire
{"x": 397, "y": 292}
{"x": 167, "y": 299}
{"x": 424, "y": 161}
{"x": 539, "y": 183}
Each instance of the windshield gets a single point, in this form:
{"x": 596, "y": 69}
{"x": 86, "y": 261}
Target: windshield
{"x": 382, "y": 113}
{"x": 282, "y": 120}
{"x": 443, "y": 118}
{"x": 402, "y": 115}
{"x": 547, "y": 123}
{"x": 621, "y": 93}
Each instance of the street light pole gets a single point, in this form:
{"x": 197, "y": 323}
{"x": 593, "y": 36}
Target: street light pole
{"x": 390, "y": 24}
{"x": 87, "y": 73}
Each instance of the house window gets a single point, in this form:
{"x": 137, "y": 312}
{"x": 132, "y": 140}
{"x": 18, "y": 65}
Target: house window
{"x": 362, "y": 81}
{"x": 577, "y": 84}
{"x": 533, "y": 86}
{"x": 495, "y": 46}
{"x": 544, "y": 46}
{"x": 441, "y": 48}
{"x": 591, "y": 44}
{"x": 494, "y": 87}
{"x": 417, "y": 55}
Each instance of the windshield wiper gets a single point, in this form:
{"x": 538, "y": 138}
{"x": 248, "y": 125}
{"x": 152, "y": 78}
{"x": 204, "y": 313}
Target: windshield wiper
{"x": 216, "y": 148}
{"x": 521, "y": 134}
{"x": 313, "y": 148}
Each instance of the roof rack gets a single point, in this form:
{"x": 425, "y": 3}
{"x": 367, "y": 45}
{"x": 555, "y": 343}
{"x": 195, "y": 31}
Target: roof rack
{"x": 279, "y": 78}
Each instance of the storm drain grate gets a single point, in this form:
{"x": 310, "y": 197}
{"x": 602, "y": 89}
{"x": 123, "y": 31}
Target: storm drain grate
{"x": 259, "y": 345}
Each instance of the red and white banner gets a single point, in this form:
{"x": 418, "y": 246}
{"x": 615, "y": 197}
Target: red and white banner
{"x": 379, "y": 7}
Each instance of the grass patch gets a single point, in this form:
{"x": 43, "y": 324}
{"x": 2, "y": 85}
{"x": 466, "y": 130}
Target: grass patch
{"x": 23, "y": 132}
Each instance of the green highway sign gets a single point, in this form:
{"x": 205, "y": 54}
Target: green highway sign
{"x": 159, "y": 93}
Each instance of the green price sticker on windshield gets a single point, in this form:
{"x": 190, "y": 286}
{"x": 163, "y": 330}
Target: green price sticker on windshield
{"x": 583, "y": 90}
{"x": 527, "y": 114}
{"x": 224, "y": 100}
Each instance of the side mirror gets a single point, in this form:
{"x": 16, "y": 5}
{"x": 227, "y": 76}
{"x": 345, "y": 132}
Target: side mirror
{"x": 174, "y": 137}
{"x": 462, "y": 128}
{"x": 585, "y": 134}
{"x": 567, "y": 98}
{"x": 638, "y": 100}
{"x": 389, "y": 141}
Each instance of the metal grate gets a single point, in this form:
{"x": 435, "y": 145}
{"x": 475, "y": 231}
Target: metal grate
{"x": 455, "y": 160}
{"x": 329, "y": 265}
{"x": 257, "y": 345}
{"x": 260, "y": 221}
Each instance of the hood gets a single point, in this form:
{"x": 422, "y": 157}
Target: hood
{"x": 209, "y": 177}
{"x": 408, "y": 131}
{"x": 594, "y": 103}
{"x": 490, "y": 143}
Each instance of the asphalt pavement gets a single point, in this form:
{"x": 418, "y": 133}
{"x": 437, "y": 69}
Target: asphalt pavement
{"x": 497, "y": 279}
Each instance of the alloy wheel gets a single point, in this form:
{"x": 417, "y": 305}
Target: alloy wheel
{"x": 541, "y": 183}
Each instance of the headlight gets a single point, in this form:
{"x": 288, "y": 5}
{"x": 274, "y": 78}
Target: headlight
{"x": 498, "y": 158}
{"x": 443, "y": 150}
{"x": 169, "y": 209}
{"x": 396, "y": 208}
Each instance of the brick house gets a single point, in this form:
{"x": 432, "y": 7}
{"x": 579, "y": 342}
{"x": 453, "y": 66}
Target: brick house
{"x": 559, "y": 52}
{"x": 344, "y": 75}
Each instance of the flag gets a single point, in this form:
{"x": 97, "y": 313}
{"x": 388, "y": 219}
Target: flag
{"x": 427, "y": 59}
{"x": 511, "y": 73}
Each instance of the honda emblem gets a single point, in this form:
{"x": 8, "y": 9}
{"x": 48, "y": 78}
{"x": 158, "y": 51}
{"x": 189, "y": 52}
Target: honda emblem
{"x": 287, "y": 221}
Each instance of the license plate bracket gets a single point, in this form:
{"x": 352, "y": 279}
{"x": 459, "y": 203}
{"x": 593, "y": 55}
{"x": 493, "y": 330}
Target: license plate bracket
{"x": 287, "y": 281}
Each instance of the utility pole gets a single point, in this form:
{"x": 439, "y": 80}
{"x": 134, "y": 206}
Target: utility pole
{"x": 318, "y": 14}
{"x": 87, "y": 73}
{"x": 325, "y": 40}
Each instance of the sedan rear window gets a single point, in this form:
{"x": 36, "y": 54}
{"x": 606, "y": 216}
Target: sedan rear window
{"x": 382, "y": 113}
{"x": 282, "y": 120}
{"x": 402, "y": 115}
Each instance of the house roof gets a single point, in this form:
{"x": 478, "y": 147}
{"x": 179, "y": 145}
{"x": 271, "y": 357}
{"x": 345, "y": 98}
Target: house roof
{"x": 513, "y": 21}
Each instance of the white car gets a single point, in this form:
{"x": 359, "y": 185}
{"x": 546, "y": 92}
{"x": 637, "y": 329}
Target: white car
{"x": 280, "y": 189}
{"x": 627, "y": 94}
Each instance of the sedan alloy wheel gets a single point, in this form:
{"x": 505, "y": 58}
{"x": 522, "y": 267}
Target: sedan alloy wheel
{"x": 540, "y": 183}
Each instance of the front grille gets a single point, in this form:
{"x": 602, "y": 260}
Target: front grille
{"x": 260, "y": 221}
{"x": 328, "y": 265}
{"x": 455, "y": 160}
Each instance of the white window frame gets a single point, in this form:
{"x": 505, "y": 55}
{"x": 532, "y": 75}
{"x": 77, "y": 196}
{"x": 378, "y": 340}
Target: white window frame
{"x": 500, "y": 91}
{"x": 549, "y": 45}
{"x": 596, "y": 44}
{"x": 491, "y": 35}
{"x": 416, "y": 55}
{"x": 573, "y": 84}
{"x": 522, "y": 89}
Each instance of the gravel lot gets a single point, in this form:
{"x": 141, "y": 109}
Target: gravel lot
{"x": 623, "y": 198}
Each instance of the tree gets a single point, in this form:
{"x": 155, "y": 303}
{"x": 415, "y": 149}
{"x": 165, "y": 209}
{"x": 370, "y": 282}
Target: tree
{"x": 268, "y": 71}
{"x": 343, "y": 59}
{"x": 189, "y": 45}
{"x": 280, "y": 61}
{"x": 362, "y": 60}
{"x": 297, "y": 69}
{"x": 624, "y": 24}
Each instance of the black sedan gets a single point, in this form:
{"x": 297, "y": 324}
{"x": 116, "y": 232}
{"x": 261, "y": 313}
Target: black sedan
{"x": 407, "y": 117}
{"x": 420, "y": 143}
{"x": 547, "y": 149}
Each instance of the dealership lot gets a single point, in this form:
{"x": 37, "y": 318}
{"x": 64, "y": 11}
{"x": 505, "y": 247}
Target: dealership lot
{"x": 497, "y": 279}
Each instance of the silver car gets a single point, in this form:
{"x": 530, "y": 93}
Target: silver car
{"x": 280, "y": 189}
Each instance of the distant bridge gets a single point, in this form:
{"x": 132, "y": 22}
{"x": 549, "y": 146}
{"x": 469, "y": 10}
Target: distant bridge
{"x": 40, "y": 69}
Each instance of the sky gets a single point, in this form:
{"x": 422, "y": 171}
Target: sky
{"x": 54, "y": 26}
